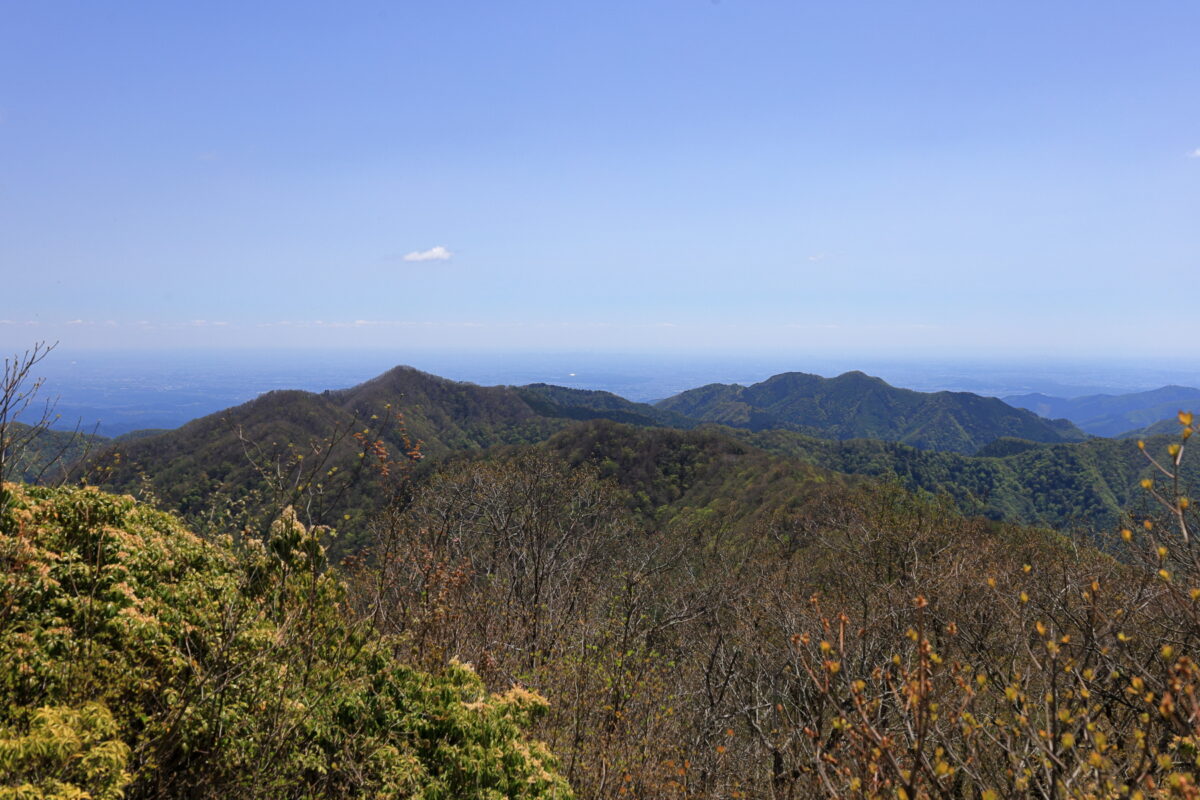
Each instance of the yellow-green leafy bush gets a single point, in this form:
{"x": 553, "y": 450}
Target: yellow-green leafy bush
{"x": 138, "y": 660}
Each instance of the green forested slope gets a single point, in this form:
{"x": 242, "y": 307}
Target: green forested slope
{"x": 1085, "y": 484}
{"x": 265, "y": 451}
{"x": 855, "y": 405}
{"x": 268, "y": 453}
{"x": 671, "y": 474}
{"x": 736, "y": 475}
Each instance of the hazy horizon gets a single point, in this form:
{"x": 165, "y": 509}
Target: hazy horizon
{"x": 134, "y": 389}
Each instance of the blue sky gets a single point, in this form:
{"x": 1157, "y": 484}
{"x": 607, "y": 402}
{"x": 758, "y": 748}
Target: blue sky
{"x": 917, "y": 179}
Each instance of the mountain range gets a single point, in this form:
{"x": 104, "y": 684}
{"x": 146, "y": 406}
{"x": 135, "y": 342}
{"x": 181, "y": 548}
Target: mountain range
{"x": 1115, "y": 415}
{"x": 991, "y": 459}
{"x": 855, "y": 405}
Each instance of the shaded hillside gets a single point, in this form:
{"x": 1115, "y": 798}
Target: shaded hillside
{"x": 1113, "y": 415}
{"x": 855, "y": 405}
{"x": 1082, "y": 485}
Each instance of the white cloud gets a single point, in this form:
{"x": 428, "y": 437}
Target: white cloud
{"x": 438, "y": 253}
{"x": 1195, "y": 153}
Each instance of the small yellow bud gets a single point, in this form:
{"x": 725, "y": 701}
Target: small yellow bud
{"x": 1185, "y": 418}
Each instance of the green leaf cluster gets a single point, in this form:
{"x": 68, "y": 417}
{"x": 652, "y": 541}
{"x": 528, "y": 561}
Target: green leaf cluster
{"x": 138, "y": 660}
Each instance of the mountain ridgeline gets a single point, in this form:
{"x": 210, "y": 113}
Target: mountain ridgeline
{"x": 717, "y": 448}
{"x": 1137, "y": 413}
{"x": 858, "y": 406}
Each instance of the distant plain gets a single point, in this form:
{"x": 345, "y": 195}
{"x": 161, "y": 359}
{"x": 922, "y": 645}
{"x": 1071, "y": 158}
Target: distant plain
{"x": 115, "y": 392}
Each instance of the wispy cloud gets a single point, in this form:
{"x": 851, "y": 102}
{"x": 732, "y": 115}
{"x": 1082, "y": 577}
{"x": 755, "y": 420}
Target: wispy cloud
{"x": 1195, "y": 153}
{"x": 438, "y": 253}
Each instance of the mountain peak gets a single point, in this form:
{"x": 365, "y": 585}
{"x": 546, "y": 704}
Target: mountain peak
{"x": 857, "y": 405}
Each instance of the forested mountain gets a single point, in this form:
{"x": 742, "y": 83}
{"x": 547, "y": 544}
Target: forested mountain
{"x": 699, "y": 605}
{"x": 1082, "y": 486}
{"x": 1113, "y": 415}
{"x": 733, "y": 475}
{"x": 559, "y": 401}
{"x": 708, "y": 653}
{"x": 266, "y": 452}
{"x": 698, "y": 474}
{"x": 855, "y": 405}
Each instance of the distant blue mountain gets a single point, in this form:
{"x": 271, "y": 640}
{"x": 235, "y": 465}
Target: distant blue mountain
{"x": 1113, "y": 415}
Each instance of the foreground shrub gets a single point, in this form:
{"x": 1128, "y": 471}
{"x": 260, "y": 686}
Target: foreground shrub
{"x": 137, "y": 660}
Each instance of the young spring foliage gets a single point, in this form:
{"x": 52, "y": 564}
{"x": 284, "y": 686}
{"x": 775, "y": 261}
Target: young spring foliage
{"x": 138, "y": 660}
